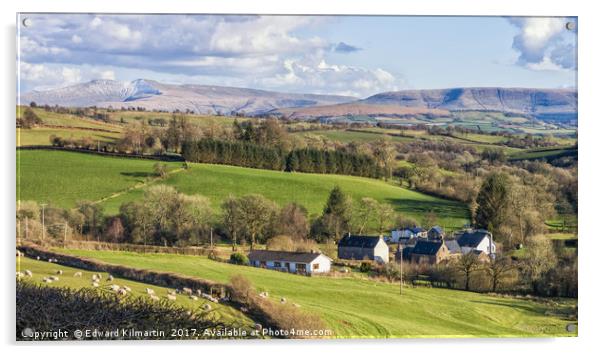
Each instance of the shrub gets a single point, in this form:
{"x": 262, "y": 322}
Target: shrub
{"x": 365, "y": 267}
{"x": 241, "y": 288}
{"x": 238, "y": 258}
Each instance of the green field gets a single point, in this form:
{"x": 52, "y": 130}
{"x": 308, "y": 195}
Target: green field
{"x": 41, "y": 269}
{"x": 545, "y": 153}
{"x": 311, "y": 190}
{"x": 353, "y": 307}
{"x": 41, "y": 136}
{"x": 63, "y": 178}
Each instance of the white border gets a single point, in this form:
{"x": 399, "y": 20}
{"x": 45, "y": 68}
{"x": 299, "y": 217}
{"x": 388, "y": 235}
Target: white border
{"x": 590, "y": 127}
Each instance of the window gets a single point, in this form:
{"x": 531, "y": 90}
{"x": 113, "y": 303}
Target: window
{"x": 315, "y": 266}
{"x": 300, "y": 267}
{"x": 277, "y": 265}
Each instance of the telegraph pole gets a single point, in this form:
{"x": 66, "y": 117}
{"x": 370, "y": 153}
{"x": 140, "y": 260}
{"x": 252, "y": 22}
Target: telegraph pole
{"x": 211, "y": 237}
{"x": 400, "y": 268}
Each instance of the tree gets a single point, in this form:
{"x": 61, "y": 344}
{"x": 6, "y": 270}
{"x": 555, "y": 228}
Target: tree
{"x": 497, "y": 269}
{"x": 114, "y": 231}
{"x": 281, "y": 243}
{"x": 384, "y": 214}
{"x": 385, "y": 154}
{"x": 232, "y": 218}
{"x": 365, "y": 213}
{"x": 93, "y": 216}
{"x": 493, "y": 201}
{"x": 257, "y": 213}
{"x": 539, "y": 259}
{"x": 429, "y": 219}
{"x": 337, "y": 213}
{"x": 292, "y": 221}
{"x": 29, "y": 118}
{"x": 467, "y": 264}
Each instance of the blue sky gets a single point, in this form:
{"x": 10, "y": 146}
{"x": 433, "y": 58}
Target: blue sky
{"x": 351, "y": 55}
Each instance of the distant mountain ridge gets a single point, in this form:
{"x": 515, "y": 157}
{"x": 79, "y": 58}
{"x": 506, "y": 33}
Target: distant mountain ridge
{"x": 558, "y": 104}
{"x": 525, "y": 101}
{"x": 153, "y": 95}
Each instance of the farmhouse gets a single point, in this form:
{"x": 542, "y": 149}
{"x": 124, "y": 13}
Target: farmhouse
{"x": 406, "y": 234}
{"x": 294, "y": 262}
{"x": 436, "y": 233}
{"x": 476, "y": 240}
{"x": 363, "y": 247}
{"x": 429, "y": 251}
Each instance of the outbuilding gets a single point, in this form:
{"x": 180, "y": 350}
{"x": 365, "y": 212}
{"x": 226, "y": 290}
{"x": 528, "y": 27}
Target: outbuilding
{"x": 293, "y": 262}
{"x": 363, "y": 247}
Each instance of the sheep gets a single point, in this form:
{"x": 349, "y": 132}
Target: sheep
{"x": 95, "y": 284}
{"x": 122, "y": 292}
{"x": 193, "y": 298}
{"x": 47, "y": 280}
{"x": 206, "y": 307}
{"x": 283, "y": 300}
{"x": 19, "y": 254}
{"x": 199, "y": 292}
{"x": 297, "y": 305}
{"x": 187, "y": 291}
{"x": 38, "y": 258}
{"x": 171, "y": 297}
{"x": 99, "y": 275}
{"x": 150, "y": 291}
{"x": 127, "y": 288}
{"x": 20, "y": 275}
{"x": 94, "y": 277}
{"x": 28, "y": 273}
{"x": 171, "y": 292}
{"x": 154, "y": 297}
{"x": 59, "y": 272}
{"x": 263, "y": 294}
{"x": 114, "y": 287}
{"x": 53, "y": 278}
{"x": 78, "y": 274}
{"x": 110, "y": 278}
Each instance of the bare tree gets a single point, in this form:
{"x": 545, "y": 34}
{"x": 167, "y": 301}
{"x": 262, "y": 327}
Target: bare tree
{"x": 467, "y": 264}
{"x": 497, "y": 269}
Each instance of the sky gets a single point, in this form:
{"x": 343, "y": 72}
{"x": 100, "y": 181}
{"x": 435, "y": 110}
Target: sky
{"x": 345, "y": 55}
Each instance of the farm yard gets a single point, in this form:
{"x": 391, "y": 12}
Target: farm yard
{"x": 361, "y": 308}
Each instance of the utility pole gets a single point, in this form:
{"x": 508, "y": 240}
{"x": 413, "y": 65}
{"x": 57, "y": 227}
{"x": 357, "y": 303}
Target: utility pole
{"x": 64, "y": 234}
{"x": 43, "y": 205}
{"x": 400, "y": 268}
{"x": 211, "y": 237}
{"x": 26, "y": 227}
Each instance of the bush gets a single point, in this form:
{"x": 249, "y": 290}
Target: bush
{"x": 238, "y": 258}
{"x": 46, "y": 309}
{"x": 365, "y": 267}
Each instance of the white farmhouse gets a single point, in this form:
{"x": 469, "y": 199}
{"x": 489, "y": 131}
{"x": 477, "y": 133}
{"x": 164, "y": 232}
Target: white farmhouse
{"x": 406, "y": 234}
{"x": 476, "y": 240}
{"x": 293, "y": 262}
{"x": 363, "y": 247}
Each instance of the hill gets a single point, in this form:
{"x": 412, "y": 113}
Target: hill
{"x": 356, "y": 307}
{"x": 153, "y": 95}
{"x": 63, "y": 178}
{"x": 545, "y": 104}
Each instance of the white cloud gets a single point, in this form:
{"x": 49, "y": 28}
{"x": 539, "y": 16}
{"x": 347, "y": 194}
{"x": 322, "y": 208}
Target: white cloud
{"x": 544, "y": 43}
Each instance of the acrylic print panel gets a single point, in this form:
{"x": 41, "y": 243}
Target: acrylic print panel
{"x": 243, "y": 177}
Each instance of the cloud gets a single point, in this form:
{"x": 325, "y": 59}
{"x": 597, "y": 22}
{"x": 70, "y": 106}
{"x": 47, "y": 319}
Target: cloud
{"x": 544, "y": 43}
{"x": 50, "y": 76}
{"x": 343, "y": 47}
{"x": 255, "y": 51}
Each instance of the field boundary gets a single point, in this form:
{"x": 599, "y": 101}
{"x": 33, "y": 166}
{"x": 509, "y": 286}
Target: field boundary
{"x": 168, "y": 158}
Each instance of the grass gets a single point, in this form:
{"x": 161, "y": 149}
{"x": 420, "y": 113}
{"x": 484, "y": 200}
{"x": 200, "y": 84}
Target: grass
{"x": 69, "y": 120}
{"x": 41, "y": 269}
{"x": 63, "y": 178}
{"x": 310, "y": 190}
{"x": 353, "y": 307}
{"x": 41, "y": 136}
{"x": 545, "y": 153}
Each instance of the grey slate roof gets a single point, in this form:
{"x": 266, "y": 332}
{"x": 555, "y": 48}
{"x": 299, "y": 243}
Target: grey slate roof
{"x": 283, "y": 256}
{"x": 427, "y": 247}
{"x": 453, "y": 246}
{"x": 472, "y": 238}
{"x": 437, "y": 229}
{"x": 359, "y": 241}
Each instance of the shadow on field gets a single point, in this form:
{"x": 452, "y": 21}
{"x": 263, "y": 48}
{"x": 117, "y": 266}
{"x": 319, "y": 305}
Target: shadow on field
{"x": 138, "y": 174}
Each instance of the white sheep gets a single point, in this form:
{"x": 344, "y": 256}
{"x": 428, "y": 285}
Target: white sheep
{"x": 187, "y": 291}
{"x": 114, "y": 287}
{"x": 127, "y": 288}
{"x": 171, "y": 292}
{"x": 206, "y": 307}
{"x": 59, "y": 272}
{"x": 95, "y": 284}
{"x": 122, "y": 292}
{"x": 263, "y": 294}
{"x": 193, "y": 298}
{"x": 171, "y": 297}
{"x": 154, "y": 297}
{"x": 94, "y": 277}
{"x": 38, "y": 258}
{"x": 28, "y": 273}
{"x": 53, "y": 278}
{"x": 110, "y": 278}
{"x": 20, "y": 275}
{"x": 150, "y": 291}
{"x": 47, "y": 280}
{"x": 296, "y": 305}
{"x": 283, "y": 300}
{"x": 78, "y": 274}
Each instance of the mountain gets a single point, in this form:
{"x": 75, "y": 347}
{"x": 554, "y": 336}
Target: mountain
{"x": 539, "y": 103}
{"x": 153, "y": 95}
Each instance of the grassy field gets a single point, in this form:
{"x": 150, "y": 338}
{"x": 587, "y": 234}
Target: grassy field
{"x": 311, "y": 190}
{"x": 41, "y": 269}
{"x": 63, "y": 178}
{"x": 41, "y": 136}
{"x": 545, "y": 153}
{"x": 354, "y": 307}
